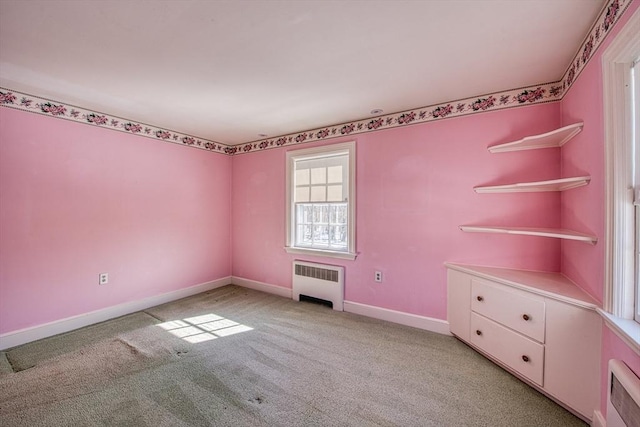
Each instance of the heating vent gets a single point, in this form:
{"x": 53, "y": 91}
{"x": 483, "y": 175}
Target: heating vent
{"x": 320, "y": 281}
{"x": 623, "y": 400}
{"x": 316, "y": 272}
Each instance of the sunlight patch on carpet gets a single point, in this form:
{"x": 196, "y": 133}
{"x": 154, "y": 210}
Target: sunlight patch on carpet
{"x": 203, "y": 328}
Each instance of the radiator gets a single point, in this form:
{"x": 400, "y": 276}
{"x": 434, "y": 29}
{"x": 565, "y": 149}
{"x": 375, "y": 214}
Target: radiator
{"x": 321, "y": 281}
{"x": 623, "y": 396}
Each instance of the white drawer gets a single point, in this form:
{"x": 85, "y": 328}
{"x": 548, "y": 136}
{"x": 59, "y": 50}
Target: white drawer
{"x": 519, "y": 353}
{"x": 518, "y": 310}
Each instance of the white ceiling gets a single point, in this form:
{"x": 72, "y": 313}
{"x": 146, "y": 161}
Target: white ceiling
{"x": 228, "y": 71}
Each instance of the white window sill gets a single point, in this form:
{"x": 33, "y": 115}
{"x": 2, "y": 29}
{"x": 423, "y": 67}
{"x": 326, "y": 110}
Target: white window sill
{"x": 318, "y": 252}
{"x": 627, "y": 329}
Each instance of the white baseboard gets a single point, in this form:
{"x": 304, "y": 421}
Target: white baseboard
{"x": 420, "y": 322}
{"x": 34, "y": 333}
{"x": 598, "y": 420}
{"x": 260, "y": 286}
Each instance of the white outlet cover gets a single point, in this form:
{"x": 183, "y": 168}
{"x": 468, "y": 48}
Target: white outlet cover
{"x": 103, "y": 278}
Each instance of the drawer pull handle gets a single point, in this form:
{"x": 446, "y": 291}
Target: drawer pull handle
{"x": 526, "y": 317}
{"x": 525, "y": 358}
{"x": 478, "y": 332}
{"x": 480, "y": 298}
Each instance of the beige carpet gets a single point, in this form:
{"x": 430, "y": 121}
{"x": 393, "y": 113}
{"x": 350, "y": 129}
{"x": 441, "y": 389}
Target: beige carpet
{"x": 245, "y": 358}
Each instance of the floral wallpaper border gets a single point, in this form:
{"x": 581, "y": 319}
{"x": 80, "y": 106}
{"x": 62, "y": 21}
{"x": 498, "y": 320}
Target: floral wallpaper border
{"x": 508, "y": 99}
{"x": 21, "y": 101}
{"x": 607, "y": 19}
{"x": 536, "y": 94}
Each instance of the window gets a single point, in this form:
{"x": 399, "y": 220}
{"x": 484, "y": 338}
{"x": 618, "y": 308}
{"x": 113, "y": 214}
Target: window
{"x": 321, "y": 201}
{"x": 635, "y": 167}
{"x": 621, "y": 79}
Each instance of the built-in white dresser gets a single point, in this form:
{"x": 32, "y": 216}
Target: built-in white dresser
{"x": 540, "y": 326}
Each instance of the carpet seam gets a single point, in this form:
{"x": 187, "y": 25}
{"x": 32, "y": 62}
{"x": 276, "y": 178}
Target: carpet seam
{"x": 13, "y": 368}
{"x": 152, "y": 315}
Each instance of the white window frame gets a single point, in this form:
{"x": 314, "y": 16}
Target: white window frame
{"x": 636, "y": 180}
{"x": 332, "y": 149}
{"x": 620, "y": 262}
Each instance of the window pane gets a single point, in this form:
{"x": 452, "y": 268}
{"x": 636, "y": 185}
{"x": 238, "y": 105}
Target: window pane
{"x": 319, "y": 194}
{"x": 339, "y": 213}
{"x": 339, "y": 237}
{"x": 320, "y": 214}
{"x": 320, "y": 235}
{"x": 334, "y": 174}
{"x": 303, "y": 214}
{"x": 319, "y": 176}
{"x": 322, "y": 225}
{"x": 299, "y": 214}
{"x": 302, "y": 194}
{"x": 302, "y": 176}
{"x": 303, "y": 235}
{"x": 334, "y": 193}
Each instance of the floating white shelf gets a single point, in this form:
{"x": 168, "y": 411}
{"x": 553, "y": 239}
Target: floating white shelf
{"x": 523, "y": 187}
{"x": 541, "y": 232}
{"x": 555, "y": 138}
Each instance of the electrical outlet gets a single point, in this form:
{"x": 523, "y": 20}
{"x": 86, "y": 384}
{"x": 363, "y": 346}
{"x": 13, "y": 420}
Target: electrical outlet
{"x": 103, "y": 278}
{"x": 378, "y": 276}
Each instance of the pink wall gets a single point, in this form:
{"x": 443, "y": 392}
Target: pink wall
{"x": 614, "y": 348}
{"x": 79, "y": 200}
{"x": 414, "y": 188}
{"x": 583, "y": 208}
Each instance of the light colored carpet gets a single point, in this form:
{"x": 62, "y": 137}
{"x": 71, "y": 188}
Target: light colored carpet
{"x": 31, "y": 354}
{"x": 5, "y": 366}
{"x": 289, "y": 364}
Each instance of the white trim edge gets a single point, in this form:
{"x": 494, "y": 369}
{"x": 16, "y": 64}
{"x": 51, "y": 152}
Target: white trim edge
{"x": 317, "y": 252}
{"x": 619, "y": 244}
{"x": 598, "y": 419}
{"x": 23, "y": 336}
{"x": 421, "y": 322}
{"x": 260, "y": 286}
{"x": 628, "y": 330}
